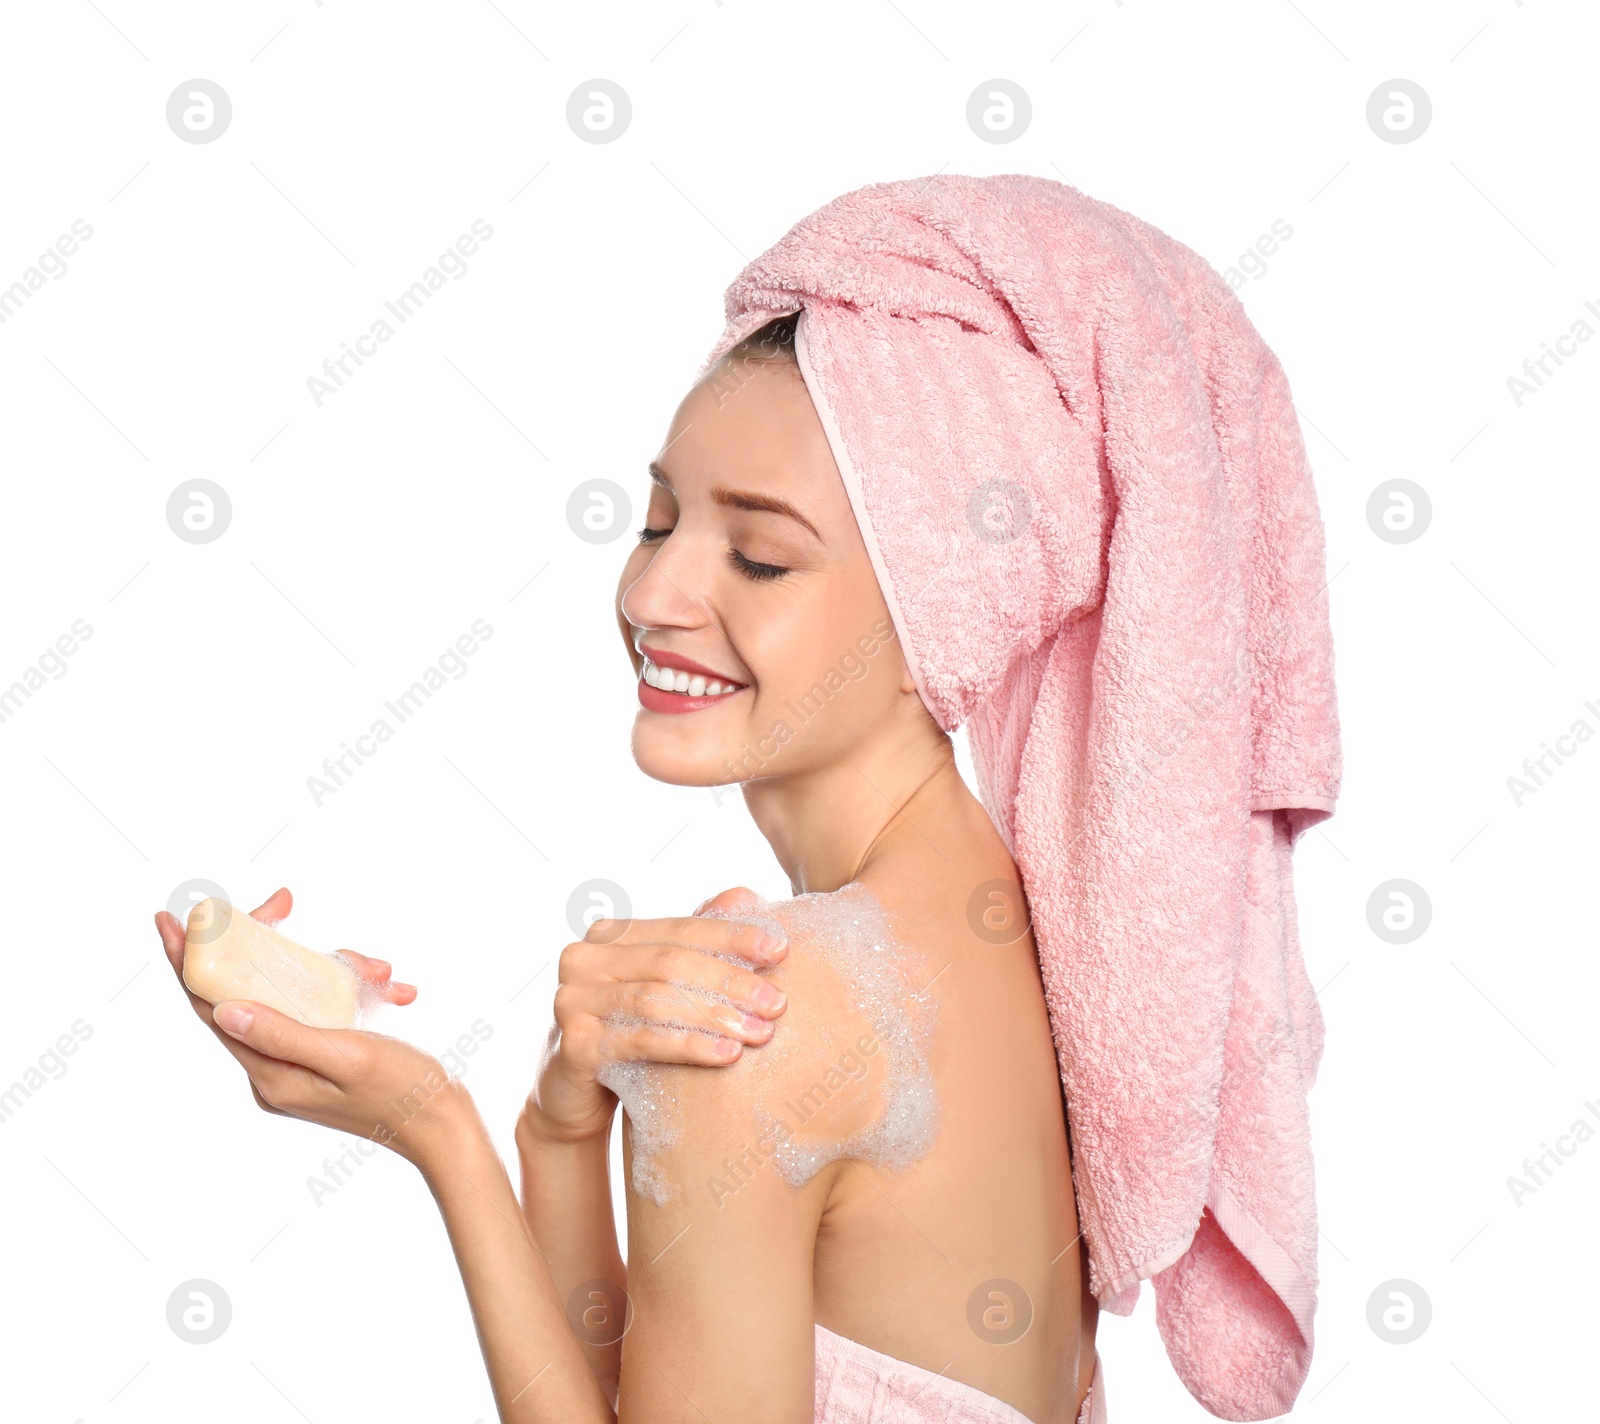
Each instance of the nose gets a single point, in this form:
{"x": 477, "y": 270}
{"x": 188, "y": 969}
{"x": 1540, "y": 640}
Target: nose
{"x": 663, "y": 595}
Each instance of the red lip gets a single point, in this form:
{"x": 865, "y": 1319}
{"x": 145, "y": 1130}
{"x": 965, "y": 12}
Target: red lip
{"x": 653, "y": 699}
{"x": 683, "y": 664}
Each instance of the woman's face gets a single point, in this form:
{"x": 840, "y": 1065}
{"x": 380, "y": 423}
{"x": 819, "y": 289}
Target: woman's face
{"x": 751, "y": 609}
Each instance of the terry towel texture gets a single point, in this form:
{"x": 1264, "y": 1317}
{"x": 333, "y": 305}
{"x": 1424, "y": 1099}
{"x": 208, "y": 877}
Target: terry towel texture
{"x": 858, "y": 1385}
{"x": 1083, "y": 484}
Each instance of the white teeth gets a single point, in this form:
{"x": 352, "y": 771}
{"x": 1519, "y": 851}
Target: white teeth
{"x": 691, "y": 684}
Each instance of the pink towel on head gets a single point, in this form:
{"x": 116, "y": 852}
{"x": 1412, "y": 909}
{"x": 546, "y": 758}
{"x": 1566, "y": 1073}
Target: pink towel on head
{"x": 1080, "y": 476}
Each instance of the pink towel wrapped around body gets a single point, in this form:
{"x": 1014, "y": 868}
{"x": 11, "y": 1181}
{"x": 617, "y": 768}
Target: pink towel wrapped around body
{"x": 1081, "y": 479}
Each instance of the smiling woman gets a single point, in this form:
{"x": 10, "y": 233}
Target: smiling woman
{"x": 751, "y": 573}
{"x": 981, "y": 477}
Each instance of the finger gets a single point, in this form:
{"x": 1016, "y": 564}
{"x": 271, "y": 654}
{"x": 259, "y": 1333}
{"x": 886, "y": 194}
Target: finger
{"x": 671, "y": 1006}
{"x": 275, "y": 907}
{"x": 728, "y": 901}
{"x": 275, "y": 1035}
{"x": 689, "y": 968}
{"x": 753, "y": 943}
{"x": 253, "y": 1063}
{"x": 374, "y": 971}
{"x": 172, "y": 939}
{"x": 665, "y": 1045}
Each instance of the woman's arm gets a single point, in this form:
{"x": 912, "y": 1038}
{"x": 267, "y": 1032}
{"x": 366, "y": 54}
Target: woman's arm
{"x": 536, "y": 1363}
{"x": 385, "y": 1090}
{"x": 637, "y": 971}
{"x": 394, "y": 1094}
{"x": 721, "y": 1280}
{"x": 566, "y": 1202}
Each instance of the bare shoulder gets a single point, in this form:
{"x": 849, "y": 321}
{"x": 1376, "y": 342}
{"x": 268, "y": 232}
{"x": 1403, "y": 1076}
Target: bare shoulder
{"x": 845, "y": 1076}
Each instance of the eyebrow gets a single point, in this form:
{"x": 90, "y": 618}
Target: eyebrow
{"x": 745, "y": 499}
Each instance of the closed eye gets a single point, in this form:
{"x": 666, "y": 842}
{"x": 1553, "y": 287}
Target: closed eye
{"x": 750, "y": 569}
{"x": 647, "y": 535}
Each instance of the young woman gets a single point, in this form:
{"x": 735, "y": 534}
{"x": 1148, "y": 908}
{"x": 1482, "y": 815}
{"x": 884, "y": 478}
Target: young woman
{"x": 977, "y": 452}
{"x": 964, "y": 1262}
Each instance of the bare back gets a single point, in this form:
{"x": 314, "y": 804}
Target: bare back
{"x": 903, "y": 1181}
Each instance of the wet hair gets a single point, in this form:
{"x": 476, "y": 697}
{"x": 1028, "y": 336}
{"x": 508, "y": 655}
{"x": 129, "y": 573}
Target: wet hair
{"x": 772, "y": 342}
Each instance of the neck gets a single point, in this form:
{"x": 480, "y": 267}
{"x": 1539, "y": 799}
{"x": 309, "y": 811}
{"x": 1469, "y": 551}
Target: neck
{"x": 828, "y": 824}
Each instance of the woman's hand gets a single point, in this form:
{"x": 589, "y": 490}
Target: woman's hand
{"x": 346, "y": 1079}
{"x": 660, "y": 972}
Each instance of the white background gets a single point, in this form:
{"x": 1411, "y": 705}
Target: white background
{"x": 369, "y": 533}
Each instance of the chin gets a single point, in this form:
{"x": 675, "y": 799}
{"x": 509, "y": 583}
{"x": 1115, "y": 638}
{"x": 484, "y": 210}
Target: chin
{"x": 679, "y": 760}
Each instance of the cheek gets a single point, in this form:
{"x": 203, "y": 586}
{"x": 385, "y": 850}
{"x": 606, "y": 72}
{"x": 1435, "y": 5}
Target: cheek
{"x": 781, "y": 643}
{"x": 805, "y": 655}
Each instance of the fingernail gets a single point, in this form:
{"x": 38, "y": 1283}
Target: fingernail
{"x": 766, "y": 997}
{"x": 383, "y": 963}
{"x": 233, "y": 1018}
{"x": 726, "y": 1048}
{"x": 769, "y": 944}
{"x": 751, "y": 1024}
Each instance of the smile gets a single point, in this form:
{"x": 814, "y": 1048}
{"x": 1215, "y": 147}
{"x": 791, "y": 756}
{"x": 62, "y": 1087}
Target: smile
{"x": 693, "y": 684}
{"x": 673, "y": 689}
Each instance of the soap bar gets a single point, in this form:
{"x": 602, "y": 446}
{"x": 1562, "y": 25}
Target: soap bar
{"x": 229, "y": 955}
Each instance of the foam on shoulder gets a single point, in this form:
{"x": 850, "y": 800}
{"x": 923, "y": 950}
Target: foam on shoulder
{"x": 845, "y": 1075}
